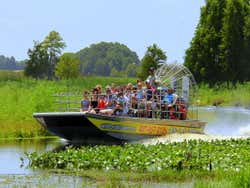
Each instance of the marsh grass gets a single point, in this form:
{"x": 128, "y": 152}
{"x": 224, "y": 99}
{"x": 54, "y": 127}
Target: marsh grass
{"x": 20, "y": 98}
{"x": 225, "y": 95}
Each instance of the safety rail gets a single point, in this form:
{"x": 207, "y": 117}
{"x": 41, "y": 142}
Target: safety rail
{"x": 70, "y": 102}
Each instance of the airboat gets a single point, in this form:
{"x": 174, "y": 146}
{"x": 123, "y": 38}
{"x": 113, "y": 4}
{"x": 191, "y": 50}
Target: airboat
{"x": 95, "y": 128}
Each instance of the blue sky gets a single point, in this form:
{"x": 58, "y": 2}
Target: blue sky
{"x": 136, "y": 23}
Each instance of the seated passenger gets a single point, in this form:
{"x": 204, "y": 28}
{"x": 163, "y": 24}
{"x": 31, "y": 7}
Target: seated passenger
{"x": 181, "y": 108}
{"x": 140, "y": 94}
{"x": 101, "y": 103}
{"x": 94, "y": 100}
{"x": 85, "y": 103}
{"x": 109, "y": 105}
{"x": 170, "y": 98}
{"x": 169, "y": 101}
{"x": 149, "y": 99}
{"x": 98, "y": 87}
{"x": 119, "y": 104}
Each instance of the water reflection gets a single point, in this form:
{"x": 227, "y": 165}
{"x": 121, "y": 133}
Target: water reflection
{"x": 12, "y": 153}
{"x": 43, "y": 180}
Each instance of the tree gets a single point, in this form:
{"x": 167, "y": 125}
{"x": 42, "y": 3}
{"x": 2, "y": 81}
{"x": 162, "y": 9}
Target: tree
{"x": 53, "y": 43}
{"x": 68, "y": 67}
{"x": 100, "y": 58}
{"x": 246, "y": 54}
{"x": 37, "y": 64}
{"x": 219, "y": 51}
{"x": 203, "y": 56}
{"x": 152, "y": 58}
{"x": 44, "y": 56}
{"x": 131, "y": 70}
{"x": 114, "y": 72}
{"x": 9, "y": 63}
{"x": 232, "y": 44}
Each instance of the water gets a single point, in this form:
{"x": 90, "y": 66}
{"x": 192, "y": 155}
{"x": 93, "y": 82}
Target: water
{"x": 222, "y": 123}
{"x": 226, "y": 121}
{"x": 13, "y": 165}
{"x": 12, "y": 151}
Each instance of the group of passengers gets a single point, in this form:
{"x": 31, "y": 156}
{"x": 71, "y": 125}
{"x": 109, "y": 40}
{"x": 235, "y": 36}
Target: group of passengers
{"x": 140, "y": 100}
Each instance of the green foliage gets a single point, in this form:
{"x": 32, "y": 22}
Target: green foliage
{"x": 68, "y": 67}
{"x": 44, "y": 56}
{"x": 219, "y": 51}
{"x": 227, "y": 94}
{"x": 11, "y": 75}
{"x": 21, "y": 97}
{"x": 101, "y": 58}
{"x": 38, "y": 62}
{"x": 232, "y": 45}
{"x": 217, "y": 155}
{"x": 53, "y": 43}
{"x": 132, "y": 70}
{"x": 152, "y": 58}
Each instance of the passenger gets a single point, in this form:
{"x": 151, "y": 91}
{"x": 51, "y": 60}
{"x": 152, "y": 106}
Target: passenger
{"x": 141, "y": 100}
{"x": 99, "y": 89}
{"x": 170, "y": 97}
{"x": 152, "y": 79}
{"x": 181, "y": 108}
{"x": 119, "y": 104}
{"x": 126, "y": 96}
{"x": 155, "y": 106}
{"x": 113, "y": 88}
{"x": 94, "y": 100}
{"x": 109, "y": 103}
{"x": 133, "y": 99}
{"x": 101, "y": 103}
{"x": 85, "y": 103}
{"x": 140, "y": 92}
{"x": 129, "y": 87}
{"x": 109, "y": 95}
{"x": 149, "y": 99}
{"x": 169, "y": 100}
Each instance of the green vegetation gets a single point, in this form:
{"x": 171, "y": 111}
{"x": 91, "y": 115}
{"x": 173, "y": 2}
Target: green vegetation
{"x": 225, "y": 95}
{"x": 219, "y": 51}
{"x": 152, "y": 58}
{"x": 194, "y": 160}
{"x": 108, "y": 59}
{"x": 21, "y": 97}
{"x": 44, "y": 56}
{"x": 68, "y": 67}
{"x": 200, "y": 155}
{"x": 6, "y": 75}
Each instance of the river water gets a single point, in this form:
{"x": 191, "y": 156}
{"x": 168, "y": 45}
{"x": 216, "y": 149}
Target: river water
{"x": 222, "y": 122}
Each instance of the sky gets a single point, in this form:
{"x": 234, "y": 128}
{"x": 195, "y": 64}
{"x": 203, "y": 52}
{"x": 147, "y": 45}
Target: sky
{"x": 136, "y": 23}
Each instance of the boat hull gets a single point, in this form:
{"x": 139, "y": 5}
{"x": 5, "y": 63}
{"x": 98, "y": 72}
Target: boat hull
{"x": 94, "y": 128}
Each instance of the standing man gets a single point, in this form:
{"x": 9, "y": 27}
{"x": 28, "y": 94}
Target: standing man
{"x": 152, "y": 79}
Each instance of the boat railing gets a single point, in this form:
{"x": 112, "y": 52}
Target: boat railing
{"x": 156, "y": 108}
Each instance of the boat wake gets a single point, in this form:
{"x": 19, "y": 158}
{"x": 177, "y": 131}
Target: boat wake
{"x": 189, "y": 136}
{"x": 244, "y": 131}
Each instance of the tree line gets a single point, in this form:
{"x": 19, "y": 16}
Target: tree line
{"x": 10, "y": 63}
{"x": 220, "y": 50}
{"x": 104, "y": 59}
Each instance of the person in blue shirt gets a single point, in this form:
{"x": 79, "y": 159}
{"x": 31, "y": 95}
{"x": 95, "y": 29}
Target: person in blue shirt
{"x": 169, "y": 101}
{"x": 85, "y": 102}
